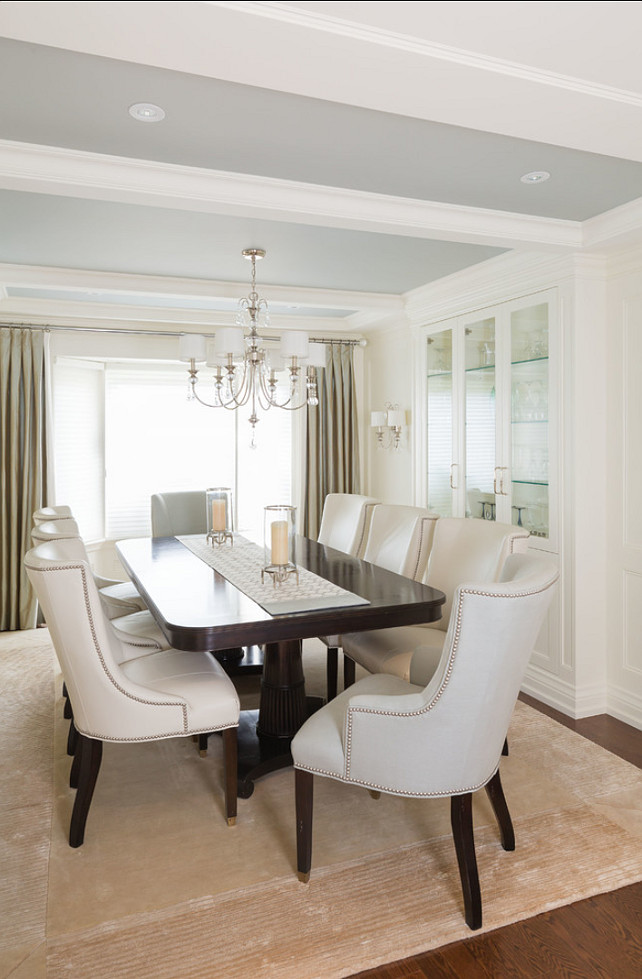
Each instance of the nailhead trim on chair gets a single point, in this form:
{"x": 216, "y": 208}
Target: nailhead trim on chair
{"x": 140, "y": 700}
{"x": 436, "y": 698}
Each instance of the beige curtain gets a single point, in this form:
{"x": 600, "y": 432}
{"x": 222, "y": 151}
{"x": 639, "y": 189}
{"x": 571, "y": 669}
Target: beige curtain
{"x": 22, "y": 465}
{"x": 332, "y": 443}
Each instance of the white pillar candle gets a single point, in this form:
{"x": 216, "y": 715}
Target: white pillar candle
{"x": 218, "y": 514}
{"x": 279, "y": 532}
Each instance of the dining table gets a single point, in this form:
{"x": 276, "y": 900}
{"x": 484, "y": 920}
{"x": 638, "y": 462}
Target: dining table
{"x": 198, "y": 608}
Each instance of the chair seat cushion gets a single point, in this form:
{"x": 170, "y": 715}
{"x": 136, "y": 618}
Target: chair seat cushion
{"x": 393, "y": 650}
{"x": 211, "y": 702}
{"x": 139, "y": 633}
{"x": 318, "y": 745}
{"x": 120, "y": 599}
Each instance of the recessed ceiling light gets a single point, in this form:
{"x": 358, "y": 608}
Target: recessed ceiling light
{"x": 535, "y": 177}
{"x": 146, "y": 112}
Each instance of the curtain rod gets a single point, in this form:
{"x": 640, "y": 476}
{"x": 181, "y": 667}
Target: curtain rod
{"x": 162, "y": 333}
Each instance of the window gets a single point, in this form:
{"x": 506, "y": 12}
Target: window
{"x": 153, "y": 440}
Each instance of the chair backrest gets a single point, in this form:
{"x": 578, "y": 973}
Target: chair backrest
{"x": 469, "y": 550}
{"x": 55, "y": 530}
{"x": 107, "y": 705}
{"x": 400, "y": 538}
{"x": 182, "y": 512}
{"x": 345, "y": 522}
{"x": 47, "y": 513}
{"x": 448, "y": 738}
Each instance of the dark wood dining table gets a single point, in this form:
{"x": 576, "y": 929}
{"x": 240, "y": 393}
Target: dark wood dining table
{"x": 199, "y": 609}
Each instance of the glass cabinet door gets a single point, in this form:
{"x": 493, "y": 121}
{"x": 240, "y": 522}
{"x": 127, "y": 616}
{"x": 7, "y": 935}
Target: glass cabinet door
{"x": 529, "y": 331}
{"x": 439, "y": 393}
{"x": 480, "y": 418}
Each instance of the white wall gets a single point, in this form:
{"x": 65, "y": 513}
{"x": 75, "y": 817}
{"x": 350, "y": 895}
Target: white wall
{"x": 389, "y": 377}
{"x": 623, "y": 470}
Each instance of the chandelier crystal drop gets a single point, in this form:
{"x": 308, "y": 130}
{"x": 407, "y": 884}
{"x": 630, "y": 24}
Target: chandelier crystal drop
{"x": 245, "y": 372}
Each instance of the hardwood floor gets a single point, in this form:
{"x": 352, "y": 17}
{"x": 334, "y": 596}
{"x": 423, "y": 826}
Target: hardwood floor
{"x": 599, "y": 937}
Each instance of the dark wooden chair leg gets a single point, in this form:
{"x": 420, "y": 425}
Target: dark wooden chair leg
{"x": 495, "y": 793}
{"x": 461, "y": 820}
{"x": 505, "y": 748}
{"x": 67, "y": 710}
{"x": 72, "y": 738}
{"x": 75, "y": 767}
{"x": 91, "y": 752}
{"x": 230, "y": 752}
{"x": 303, "y": 788}
{"x": 331, "y": 671}
{"x": 202, "y": 744}
{"x": 349, "y": 668}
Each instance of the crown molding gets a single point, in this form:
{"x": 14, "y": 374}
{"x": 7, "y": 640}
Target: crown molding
{"x": 619, "y": 227}
{"x": 37, "y": 276}
{"x": 492, "y": 282}
{"x": 343, "y": 27}
{"x": 74, "y": 173}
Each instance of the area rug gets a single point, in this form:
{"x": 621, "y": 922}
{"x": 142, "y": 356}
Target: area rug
{"x": 163, "y": 888}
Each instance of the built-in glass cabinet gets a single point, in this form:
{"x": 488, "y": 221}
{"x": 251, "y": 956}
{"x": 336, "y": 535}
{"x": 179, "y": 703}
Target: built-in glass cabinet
{"x": 489, "y": 404}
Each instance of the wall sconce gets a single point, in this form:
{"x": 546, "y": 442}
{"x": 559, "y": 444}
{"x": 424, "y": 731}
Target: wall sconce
{"x": 393, "y": 419}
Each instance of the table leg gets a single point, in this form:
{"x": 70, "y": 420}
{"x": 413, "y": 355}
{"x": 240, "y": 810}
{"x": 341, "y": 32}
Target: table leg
{"x": 264, "y": 741}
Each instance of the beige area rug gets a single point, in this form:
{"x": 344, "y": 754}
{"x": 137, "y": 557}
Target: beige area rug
{"x": 164, "y": 889}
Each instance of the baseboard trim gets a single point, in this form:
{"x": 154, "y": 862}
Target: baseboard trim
{"x": 563, "y": 695}
{"x": 625, "y": 706}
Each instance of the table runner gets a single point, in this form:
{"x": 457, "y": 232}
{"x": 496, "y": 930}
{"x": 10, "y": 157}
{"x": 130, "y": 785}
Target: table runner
{"x": 241, "y": 564}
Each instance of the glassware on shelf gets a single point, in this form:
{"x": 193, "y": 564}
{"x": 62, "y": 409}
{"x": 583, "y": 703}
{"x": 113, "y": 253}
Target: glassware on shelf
{"x": 279, "y": 543}
{"x": 220, "y": 515}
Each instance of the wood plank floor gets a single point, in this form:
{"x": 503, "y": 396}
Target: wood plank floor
{"x": 599, "y": 937}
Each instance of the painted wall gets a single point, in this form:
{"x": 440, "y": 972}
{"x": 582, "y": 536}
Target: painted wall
{"x": 389, "y": 377}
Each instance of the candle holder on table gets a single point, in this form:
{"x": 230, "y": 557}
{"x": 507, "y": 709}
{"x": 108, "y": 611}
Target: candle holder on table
{"x": 220, "y": 516}
{"x": 279, "y": 544}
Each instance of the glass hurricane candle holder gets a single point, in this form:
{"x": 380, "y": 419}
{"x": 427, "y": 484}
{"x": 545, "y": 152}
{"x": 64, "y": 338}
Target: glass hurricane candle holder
{"x": 279, "y": 544}
{"x": 220, "y": 516}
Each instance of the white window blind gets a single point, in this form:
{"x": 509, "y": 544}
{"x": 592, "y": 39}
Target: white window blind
{"x": 79, "y": 469}
{"x": 157, "y": 441}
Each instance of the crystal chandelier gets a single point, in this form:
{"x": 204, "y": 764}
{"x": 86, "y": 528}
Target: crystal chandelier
{"x": 245, "y": 373}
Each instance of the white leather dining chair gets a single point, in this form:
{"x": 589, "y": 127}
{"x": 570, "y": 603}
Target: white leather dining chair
{"x": 182, "y": 512}
{"x": 444, "y": 739}
{"x": 400, "y": 540}
{"x": 166, "y": 694}
{"x": 118, "y": 597}
{"x": 345, "y": 523}
{"x": 462, "y": 550}
{"x": 47, "y": 513}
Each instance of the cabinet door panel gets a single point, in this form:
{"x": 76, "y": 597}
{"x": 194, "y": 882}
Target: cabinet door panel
{"x": 442, "y": 473}
{"x": 480, "y": 419}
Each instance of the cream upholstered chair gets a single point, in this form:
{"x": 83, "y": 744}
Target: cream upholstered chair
{"x": 164, "y": 695}
{"x": 400, "y": 539}
{"x": 345, "y": 523}
{"x": 462, "y": 550}
{"x": 444, "y": 739}
{"x": 118, "y": 597}
{"x": 47, "y": 513}
{"x": 179, "y": 513}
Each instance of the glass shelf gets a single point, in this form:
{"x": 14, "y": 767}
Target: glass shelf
{"x": 529, "y": 360}
{"x": 530, "y": 482}
{"x": 480, "y": 370}
{"x": 529, "y": 421}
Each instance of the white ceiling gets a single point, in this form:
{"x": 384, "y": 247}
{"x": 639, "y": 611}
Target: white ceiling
{"x": 370, "y": 148}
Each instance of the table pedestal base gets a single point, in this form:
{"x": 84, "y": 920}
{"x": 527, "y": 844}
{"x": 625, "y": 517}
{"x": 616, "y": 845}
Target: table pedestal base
{"x": 259, "y": 754}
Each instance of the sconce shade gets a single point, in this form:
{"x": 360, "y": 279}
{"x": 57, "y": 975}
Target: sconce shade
{"x": 191, "y": 346}
{"x": 378, "y": 419}
{"x": 396, "y": 418}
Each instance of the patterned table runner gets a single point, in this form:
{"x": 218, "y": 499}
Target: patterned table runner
{"x": 241, "y": 564}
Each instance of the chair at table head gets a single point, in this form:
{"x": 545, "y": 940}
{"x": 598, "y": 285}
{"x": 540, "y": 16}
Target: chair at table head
{"x": 345, "y": 522}
{"x": 59, "y": 529}
{"x": 176, "y": 513}
{"x": 444, "y": 739}
{"x": 48, "y": 513}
